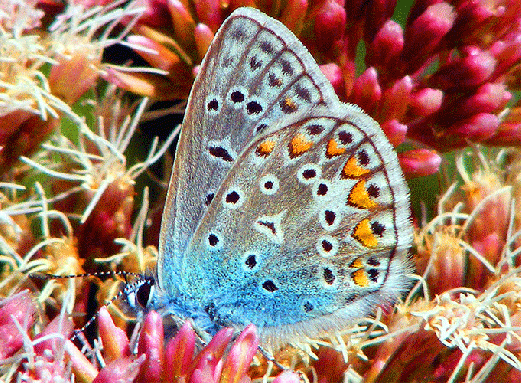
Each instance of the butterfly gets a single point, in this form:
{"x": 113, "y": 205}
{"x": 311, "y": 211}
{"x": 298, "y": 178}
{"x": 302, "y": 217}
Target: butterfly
{"x": 286, "y": 207}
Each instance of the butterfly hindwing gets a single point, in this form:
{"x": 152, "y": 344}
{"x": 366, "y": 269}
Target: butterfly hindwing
{"x": 312, "y": 222}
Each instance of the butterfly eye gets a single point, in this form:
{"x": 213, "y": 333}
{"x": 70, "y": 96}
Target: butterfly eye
{"x": 143, "y": 293}
{"x": 138, "y": 292}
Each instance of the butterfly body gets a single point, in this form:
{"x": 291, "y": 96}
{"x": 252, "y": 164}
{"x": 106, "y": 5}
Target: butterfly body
{"x": 286, "y": 208}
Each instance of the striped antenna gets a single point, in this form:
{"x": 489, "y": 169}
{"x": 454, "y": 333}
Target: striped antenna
{"x": 136, "y": 292}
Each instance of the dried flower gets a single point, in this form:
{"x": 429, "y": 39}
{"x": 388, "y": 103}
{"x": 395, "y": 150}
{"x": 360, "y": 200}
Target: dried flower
{"x": 31, "y": 358}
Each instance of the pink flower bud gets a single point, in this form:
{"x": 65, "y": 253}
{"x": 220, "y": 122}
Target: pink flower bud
{"x": 490, "y": 248}
{"x": 447, "y": 261}
{"x": 203, "y": 37}
{"x": 366, "y": 91}
{"x": 83, "y": 369}
{"x": 293, "y": 14}
{"x": 335, "y": 76}
{"x": 159, "y": 56}
{"x": 209, "y": 13}
{"x": 55, "y": 333}
{"x": 182, "y": 22}
{"x": 155, "y": 14}
{"x": 507, "y": 54}
{"x": 377, "y": 12}
{"x": 25, "y": 139}
{"x": 287, "y": 377}
{"x": 208, "y": 358}
{"x": 239, "y": 358}
{"x": 330, "y": 24}
{"x": 80, "y": 69}
{"x": 476, "y": 128}
{"x": 507, "y": 134}
{"x": 386, "y": 47}
{"x": 395, "y": 131}
{"x": 472, "y": 22}
{"x": 114, "y": 339}
{"x": 18, "y": 308}
{"x": 473, "y": 68}
{"x": 180, "y": 351}
{"x": 489, "y": 98}
{"x": 123, "y": 370}
{"x": 426, "y": 101}
{"x": 419, "y": 162}
{"x": 151, "y": 344}
{"x": 148, "y": 84}
{"x": 330, "y": 365}
{"x": 424, "y": 35}
{"x": 395, "y": 100}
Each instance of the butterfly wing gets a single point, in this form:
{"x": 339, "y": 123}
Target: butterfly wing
{"x": 254, "y": 74}
{"x": 309, "y": 229}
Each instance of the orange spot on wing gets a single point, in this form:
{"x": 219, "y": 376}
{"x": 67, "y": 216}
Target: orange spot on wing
{"x": 360, "y": 198}
{"x": 360, "y": 278}
{"x": 352, "y": 169}
{"x": 299, "y": 145}
{"x": 357, "y": 264}
{"x": 289, "y": 105}
{"x": 364, "y": 234}
{"x": 333, "y": 149}
{"x": 265, "y": 148}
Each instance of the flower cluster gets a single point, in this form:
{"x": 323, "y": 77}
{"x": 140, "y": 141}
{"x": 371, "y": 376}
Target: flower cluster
{"x": 51, "y": 356}
{"x": 444, "y": 79}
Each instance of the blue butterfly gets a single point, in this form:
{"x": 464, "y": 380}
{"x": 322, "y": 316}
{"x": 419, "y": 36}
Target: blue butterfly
{"x": 286, "y": 208}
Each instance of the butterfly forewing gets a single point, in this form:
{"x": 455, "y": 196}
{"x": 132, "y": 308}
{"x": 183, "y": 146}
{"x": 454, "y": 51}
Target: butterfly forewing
{"x": 254, "y": 73}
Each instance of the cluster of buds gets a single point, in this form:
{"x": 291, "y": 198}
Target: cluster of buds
{"x": 443, "y": 80}
{"x": 45, "y": 357}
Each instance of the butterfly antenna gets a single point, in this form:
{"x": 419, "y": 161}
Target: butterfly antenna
{"x": 95, "y": 274}
{"x": 128, "y": 287}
